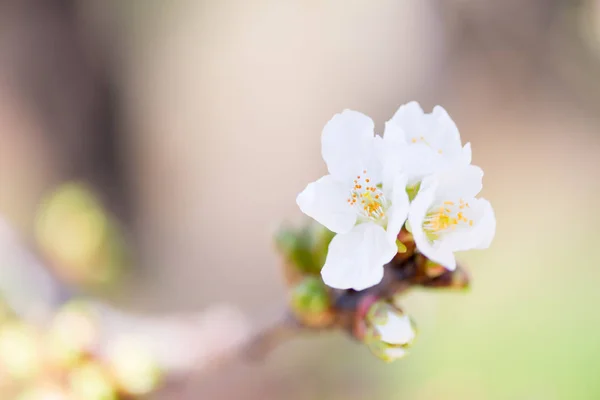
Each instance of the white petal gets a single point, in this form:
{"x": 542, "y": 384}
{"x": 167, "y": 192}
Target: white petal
{"x": 418, "y": 209}
{"x": 459, "y": 181}
{"x": 355, "y": 259}
{"x": 374, "y": 163}
{"x": 395, "y": 353}
{"x": 486, "y": 228}
{"x": 347, "y": 144}
{"x": 467, "y": 154}
{"x": 478, "y": 236}
{"x": 391, "y": 161}
{"x": 393, "y": 133}
{"x": 429, "y": 142}
{"x": 397, "y": 329}
{"x": 410, "y": 124}
{"x": 443, "y": 133}
{"x": 326, "y": 201}
{"x": 398, "y": 212}
{"x": 418, "y": 161}
{"x": 405, "y": 123}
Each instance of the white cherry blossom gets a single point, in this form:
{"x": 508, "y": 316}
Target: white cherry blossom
{"x": 420, "y": 144}
{"x": 445, "y": 216}
{"x": 354, "y": 202}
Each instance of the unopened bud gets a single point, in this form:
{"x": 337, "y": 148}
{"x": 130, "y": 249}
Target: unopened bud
{"x": 77, "y": 234}
{"x": 71, "y": 225}
{"x": 305, "y": 248}
{"x": 310, "y": 302}
{"x": 387, "y": 331}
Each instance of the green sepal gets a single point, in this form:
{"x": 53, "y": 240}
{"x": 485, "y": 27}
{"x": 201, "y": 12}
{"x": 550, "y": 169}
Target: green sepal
{"x": 401, "y": 247}
{"x": 412, "y": 191}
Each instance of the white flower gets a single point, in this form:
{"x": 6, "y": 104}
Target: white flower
{"x": 445, "y": 216}
{"x": 352, "y": 201}
{"x": 421, "y": 144}
{"x": 389, "y": 331}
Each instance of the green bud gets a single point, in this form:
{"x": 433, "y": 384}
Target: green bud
{"x": 306, "y": 248}
{"x": 79, "y": 236}
{"x": 310, "y": 297}
{"x": 71, "y": 225}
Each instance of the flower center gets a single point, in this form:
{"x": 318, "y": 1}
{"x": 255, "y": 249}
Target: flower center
{"x": 446, "y": 218}
{"x": 367, "y": 198}
{"x": 421, "y": 139}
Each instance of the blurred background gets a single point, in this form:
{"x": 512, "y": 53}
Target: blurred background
{"x": 174, "y": 136}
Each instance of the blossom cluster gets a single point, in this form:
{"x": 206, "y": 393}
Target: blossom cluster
{"x": 417, "y": 176}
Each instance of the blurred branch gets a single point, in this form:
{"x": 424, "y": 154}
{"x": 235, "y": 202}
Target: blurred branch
{"x": 265, "y": 341}
{"x": 180, "y": 342}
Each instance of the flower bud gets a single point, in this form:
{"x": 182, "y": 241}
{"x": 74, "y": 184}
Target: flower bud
{"x": 305, "y": 248}
{"x": 310, "y": 302}
{"x": 387, "y": 331}
{"x": 78, "y": 236}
